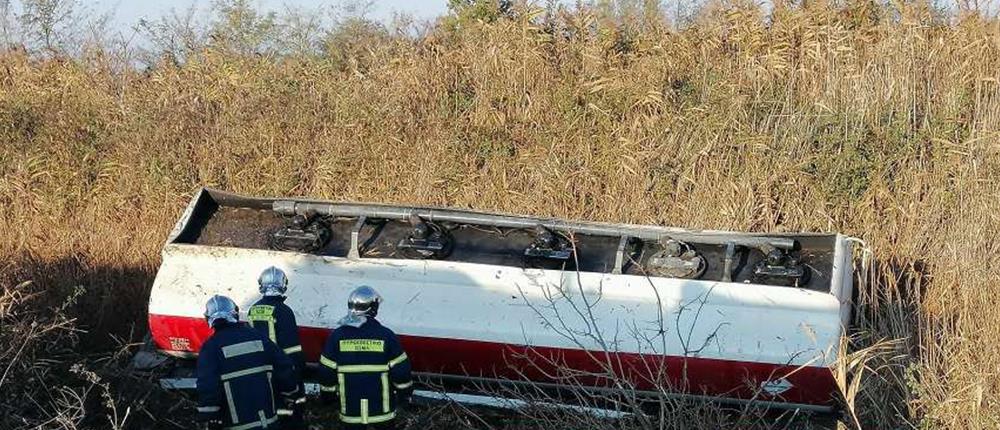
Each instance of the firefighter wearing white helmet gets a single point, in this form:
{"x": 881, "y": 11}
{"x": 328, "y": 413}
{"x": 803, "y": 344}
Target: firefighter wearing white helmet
{"x": 364, "y": 367}
{"x": 276, "y": 320}
{"x": 242, "y": 375}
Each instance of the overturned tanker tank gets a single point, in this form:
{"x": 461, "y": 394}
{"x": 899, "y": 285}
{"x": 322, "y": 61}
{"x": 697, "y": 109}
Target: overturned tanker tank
{"x": 487, "y": 298}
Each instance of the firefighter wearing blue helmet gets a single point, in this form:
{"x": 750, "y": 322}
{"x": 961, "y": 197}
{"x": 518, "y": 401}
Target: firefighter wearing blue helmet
{"x": 243, "y": 378}
{"x": 276, "y": 320}
{"x": 364, "y": 367}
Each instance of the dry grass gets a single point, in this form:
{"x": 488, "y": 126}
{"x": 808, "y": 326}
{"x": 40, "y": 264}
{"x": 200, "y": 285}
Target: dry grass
{"x": 882, "y": 122}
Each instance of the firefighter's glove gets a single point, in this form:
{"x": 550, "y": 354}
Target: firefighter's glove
{"x": 294, "y": 402}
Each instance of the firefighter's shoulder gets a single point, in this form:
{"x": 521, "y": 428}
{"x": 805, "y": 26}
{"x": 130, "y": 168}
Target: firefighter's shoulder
{"x": 382, "y": 330}
{"x": 209, "y": 346}
{"x": 283, "y": 310}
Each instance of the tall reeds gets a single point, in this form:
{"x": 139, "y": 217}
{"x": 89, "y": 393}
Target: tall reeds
{"x": 881, "y": 121}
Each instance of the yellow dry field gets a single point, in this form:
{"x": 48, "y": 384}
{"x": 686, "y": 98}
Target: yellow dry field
{"x": 878, "y": 122}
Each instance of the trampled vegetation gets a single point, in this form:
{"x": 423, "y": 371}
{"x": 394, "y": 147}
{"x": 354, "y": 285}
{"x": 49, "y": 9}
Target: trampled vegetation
{"x": 881, "y": 121}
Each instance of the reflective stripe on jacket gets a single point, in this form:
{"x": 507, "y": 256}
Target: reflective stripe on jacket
{"x": 272, "y": 317}
{"x": 367, "y": 367}
{"x": 241, "y": 377}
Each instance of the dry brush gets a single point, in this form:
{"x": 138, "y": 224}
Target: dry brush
{"x": 879, "y": 121}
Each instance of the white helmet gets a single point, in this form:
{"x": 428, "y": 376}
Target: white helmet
{"x": 273, "y": 282}
{"x": 221, "y": 308}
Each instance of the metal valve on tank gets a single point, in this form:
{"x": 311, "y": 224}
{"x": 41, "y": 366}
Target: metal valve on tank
{"x": 549, "y": 250}
{"x": 781, "y": 268}
{"x": 427, "y": 240}
{"x": 676, "y": 260}
{"x": 303, "y": 233}
{"x": 549, "y": 245}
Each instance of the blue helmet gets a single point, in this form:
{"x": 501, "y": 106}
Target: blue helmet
{"x": 221, "y": 308}
{"x": 273, "y": 282}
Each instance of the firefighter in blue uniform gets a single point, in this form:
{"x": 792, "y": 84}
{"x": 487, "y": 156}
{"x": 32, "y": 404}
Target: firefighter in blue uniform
{"x": 273, "y": 318}
{"x": 364, "y": 366}
{"x": 243, "y": 378}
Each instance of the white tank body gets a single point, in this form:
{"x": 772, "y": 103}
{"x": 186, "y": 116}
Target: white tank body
{"x": 736, "y": 340}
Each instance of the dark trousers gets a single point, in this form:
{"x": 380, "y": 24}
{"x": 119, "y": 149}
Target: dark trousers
{"x": 388, "y": 425}
{"x": 294, "y": 422}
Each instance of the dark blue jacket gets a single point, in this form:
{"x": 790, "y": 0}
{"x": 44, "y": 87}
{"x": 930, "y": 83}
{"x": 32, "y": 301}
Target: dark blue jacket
{"x": 272, "y": 317}
{"x": 242, "y": 377}
{"x": 367, "y": 367}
